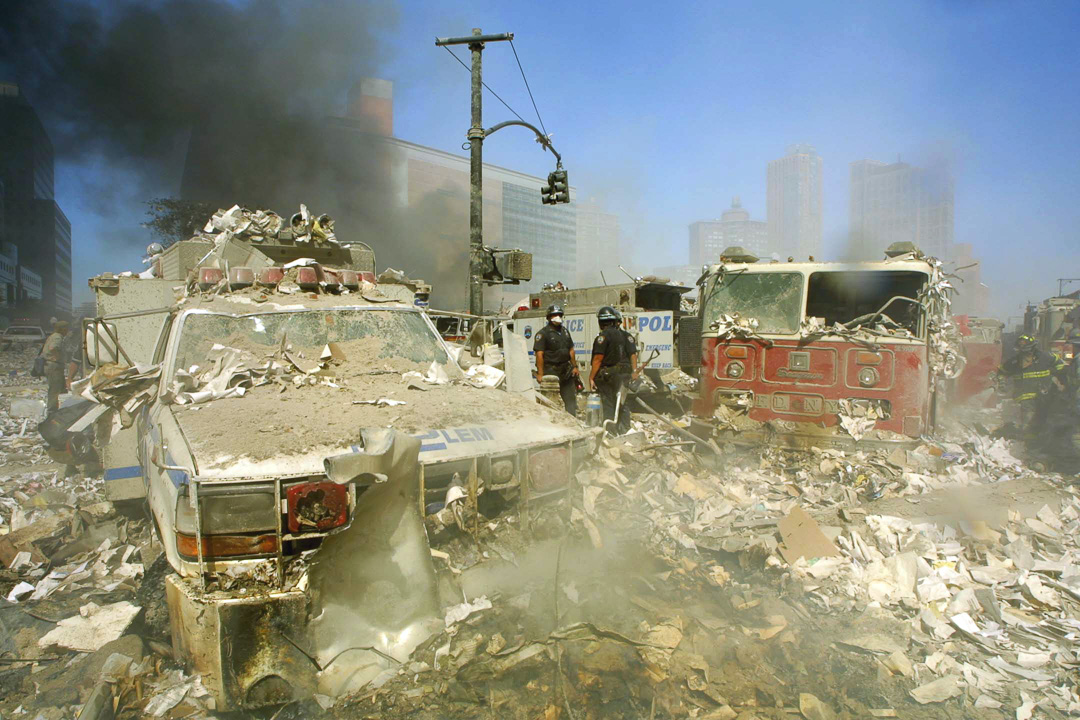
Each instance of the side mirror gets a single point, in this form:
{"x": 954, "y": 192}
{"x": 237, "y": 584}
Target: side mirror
{"x": 99, "y": 346}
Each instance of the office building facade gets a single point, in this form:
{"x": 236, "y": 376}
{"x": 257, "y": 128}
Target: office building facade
{"x": 34, "y": 227}
{"x": 794, "y": 203}
{"x": 597, "y": 244}
{"x": 709, "y": 238}
{"x": 899, "y": 202}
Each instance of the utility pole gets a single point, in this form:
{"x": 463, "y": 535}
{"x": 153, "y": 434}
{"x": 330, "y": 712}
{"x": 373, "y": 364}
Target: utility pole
{"x": 476, "y": 147}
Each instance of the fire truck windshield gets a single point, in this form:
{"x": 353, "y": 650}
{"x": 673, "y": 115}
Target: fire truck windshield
{"x": 774, "y": 299}
{"x": 866, "y": 297}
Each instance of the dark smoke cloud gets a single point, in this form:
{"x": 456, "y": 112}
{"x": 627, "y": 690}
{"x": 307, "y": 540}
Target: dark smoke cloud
{"x": 131, "y": 79}
{"x": 227, "y": 103}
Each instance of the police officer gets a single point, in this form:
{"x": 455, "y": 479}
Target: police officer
{"x": 1031, "y": 370}
{"x": 614, "y": 363}
{"x": 554, "y": 350}
{"x": 55, "y": 362}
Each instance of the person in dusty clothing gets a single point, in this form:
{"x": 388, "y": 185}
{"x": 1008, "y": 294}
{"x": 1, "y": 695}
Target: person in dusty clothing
{"x": 554, "y": 349}
{"x": 614, "y": 364}
{"x": 56, "y": 360}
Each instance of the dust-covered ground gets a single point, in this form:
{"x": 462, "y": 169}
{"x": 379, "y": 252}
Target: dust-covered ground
{"x": 664, "y": 583}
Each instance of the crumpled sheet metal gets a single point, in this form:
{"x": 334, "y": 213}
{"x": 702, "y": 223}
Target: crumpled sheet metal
{"x": 946, "y": 345}
{"x": 374, "y": 594}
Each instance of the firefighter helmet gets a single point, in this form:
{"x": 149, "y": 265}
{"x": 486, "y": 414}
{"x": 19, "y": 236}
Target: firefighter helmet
{"x": 554, "y": 310}
{"x": 607, "y": 313}
{"x": 1025, "y": 342}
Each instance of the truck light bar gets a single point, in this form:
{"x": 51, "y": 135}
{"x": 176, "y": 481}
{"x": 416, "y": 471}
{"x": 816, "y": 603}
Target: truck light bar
{"x": 349, "y": 278}
{"x": 271, "y": 276}
{"x": 209, "y": 277}
{"x": 307, "y": 278}
{"x": 241, "y": 277}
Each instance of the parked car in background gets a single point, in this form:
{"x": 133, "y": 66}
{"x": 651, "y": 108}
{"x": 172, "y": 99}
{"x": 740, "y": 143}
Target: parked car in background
{"x": 21, "y": 335}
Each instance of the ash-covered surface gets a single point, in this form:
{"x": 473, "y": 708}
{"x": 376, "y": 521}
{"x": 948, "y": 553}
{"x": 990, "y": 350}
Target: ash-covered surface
{"x": 286, "y": 418}
{"x": 664, "y": 584}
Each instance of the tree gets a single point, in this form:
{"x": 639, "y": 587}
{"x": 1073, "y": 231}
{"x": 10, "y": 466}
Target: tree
{"x": 172, "y": 219}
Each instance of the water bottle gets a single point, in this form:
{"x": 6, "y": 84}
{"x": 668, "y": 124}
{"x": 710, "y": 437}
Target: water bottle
{"x": 594, "y": 410}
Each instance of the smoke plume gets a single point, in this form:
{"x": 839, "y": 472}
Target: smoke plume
{"x": 228, "y": 103}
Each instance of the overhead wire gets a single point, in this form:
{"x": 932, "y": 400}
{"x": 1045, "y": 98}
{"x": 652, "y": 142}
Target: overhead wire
{"x": 485, "y": 84}
{"x": 527, "y": 87}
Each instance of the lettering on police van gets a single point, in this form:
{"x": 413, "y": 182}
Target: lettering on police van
{"x": 656, "y": 323}
{"x": 575, "y": 325}
{"x": 441, "y": 439}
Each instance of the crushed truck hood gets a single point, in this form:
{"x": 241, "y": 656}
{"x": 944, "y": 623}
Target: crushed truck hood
{"x": 269, "y": 449}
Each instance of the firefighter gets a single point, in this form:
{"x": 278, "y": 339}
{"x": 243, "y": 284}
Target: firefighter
{"x": 614, "y": 364}
{"x": 55, "y": 361}
{"x": 554, "y": 349}
{"x": 1060, "y": 441}
{"x": 1031, "y": 371}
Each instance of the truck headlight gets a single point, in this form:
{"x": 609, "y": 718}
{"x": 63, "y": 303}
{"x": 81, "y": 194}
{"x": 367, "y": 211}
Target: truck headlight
{"x": 735, "y": 369}
{"x": 868, "y": 377}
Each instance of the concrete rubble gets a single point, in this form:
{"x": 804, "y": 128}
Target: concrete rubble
{"x": 936, "y": 582}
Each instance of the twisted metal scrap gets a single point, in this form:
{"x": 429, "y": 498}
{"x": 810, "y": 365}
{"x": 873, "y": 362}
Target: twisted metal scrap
{"x": 946, "y": 346}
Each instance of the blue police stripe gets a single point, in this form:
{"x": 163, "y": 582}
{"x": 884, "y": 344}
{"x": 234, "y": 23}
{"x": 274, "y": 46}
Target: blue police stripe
{"x": 122, "y": 473}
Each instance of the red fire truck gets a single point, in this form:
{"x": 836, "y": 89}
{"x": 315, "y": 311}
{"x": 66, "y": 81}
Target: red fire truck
{"x": 815, "y": 353}
{"x": 982, "y": 349}
{"x": 1052, "y": 321}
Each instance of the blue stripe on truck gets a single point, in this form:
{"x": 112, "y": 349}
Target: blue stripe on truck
{"x": 121, "y": 473}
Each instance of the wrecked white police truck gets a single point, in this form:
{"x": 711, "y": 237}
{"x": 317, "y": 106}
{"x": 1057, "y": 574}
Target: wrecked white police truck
{"x": 289, "y": 443}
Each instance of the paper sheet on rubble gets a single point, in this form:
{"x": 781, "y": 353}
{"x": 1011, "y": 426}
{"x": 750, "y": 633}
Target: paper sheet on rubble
{"x": 457, "y": 613}
{"x": 92, "y": 628}
{"x": 485, "y": 376}
{"x": 939, "y": 690}
{"x": 803, "y": 538}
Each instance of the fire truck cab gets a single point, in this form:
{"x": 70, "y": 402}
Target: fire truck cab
{"x": 791, "y": 349}
{"x": 1052, "y": 321}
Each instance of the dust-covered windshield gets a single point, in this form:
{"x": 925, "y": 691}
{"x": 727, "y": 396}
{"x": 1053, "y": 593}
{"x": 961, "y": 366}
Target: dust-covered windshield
{"x": 774, "y": 299}
{"x": 382, "y": 340}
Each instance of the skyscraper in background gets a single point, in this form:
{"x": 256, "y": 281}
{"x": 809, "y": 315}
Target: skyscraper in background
{"x": 597, "y": 244}
{"x": 37, "y": 234}
{"x": 900, "y": 202}
{"x": 794, "y": 203}
{"x": 708, "y": 238}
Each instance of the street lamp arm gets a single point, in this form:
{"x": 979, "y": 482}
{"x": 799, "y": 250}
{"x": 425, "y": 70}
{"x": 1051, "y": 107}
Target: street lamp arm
{"x": 541, "y": 138}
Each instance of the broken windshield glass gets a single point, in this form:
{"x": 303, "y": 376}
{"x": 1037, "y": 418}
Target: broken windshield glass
{"x": 773, "y": 298}
{"x": 386, "y": 340}
{"x": 845, "y": 297}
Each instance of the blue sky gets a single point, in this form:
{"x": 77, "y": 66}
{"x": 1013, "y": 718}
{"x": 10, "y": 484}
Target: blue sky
{"x": 664, "y": 112}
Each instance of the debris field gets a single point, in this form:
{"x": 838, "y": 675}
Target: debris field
{"x": 928, "y": 583}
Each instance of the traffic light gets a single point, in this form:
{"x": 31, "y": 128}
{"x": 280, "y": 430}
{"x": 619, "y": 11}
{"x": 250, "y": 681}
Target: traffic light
{"x": 557, "y": 190}
{"x": 547, "y": 193}
{"x": 560, "y": 185}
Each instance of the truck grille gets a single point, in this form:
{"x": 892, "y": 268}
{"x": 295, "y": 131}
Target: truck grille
{"x": 690, "y": 341}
